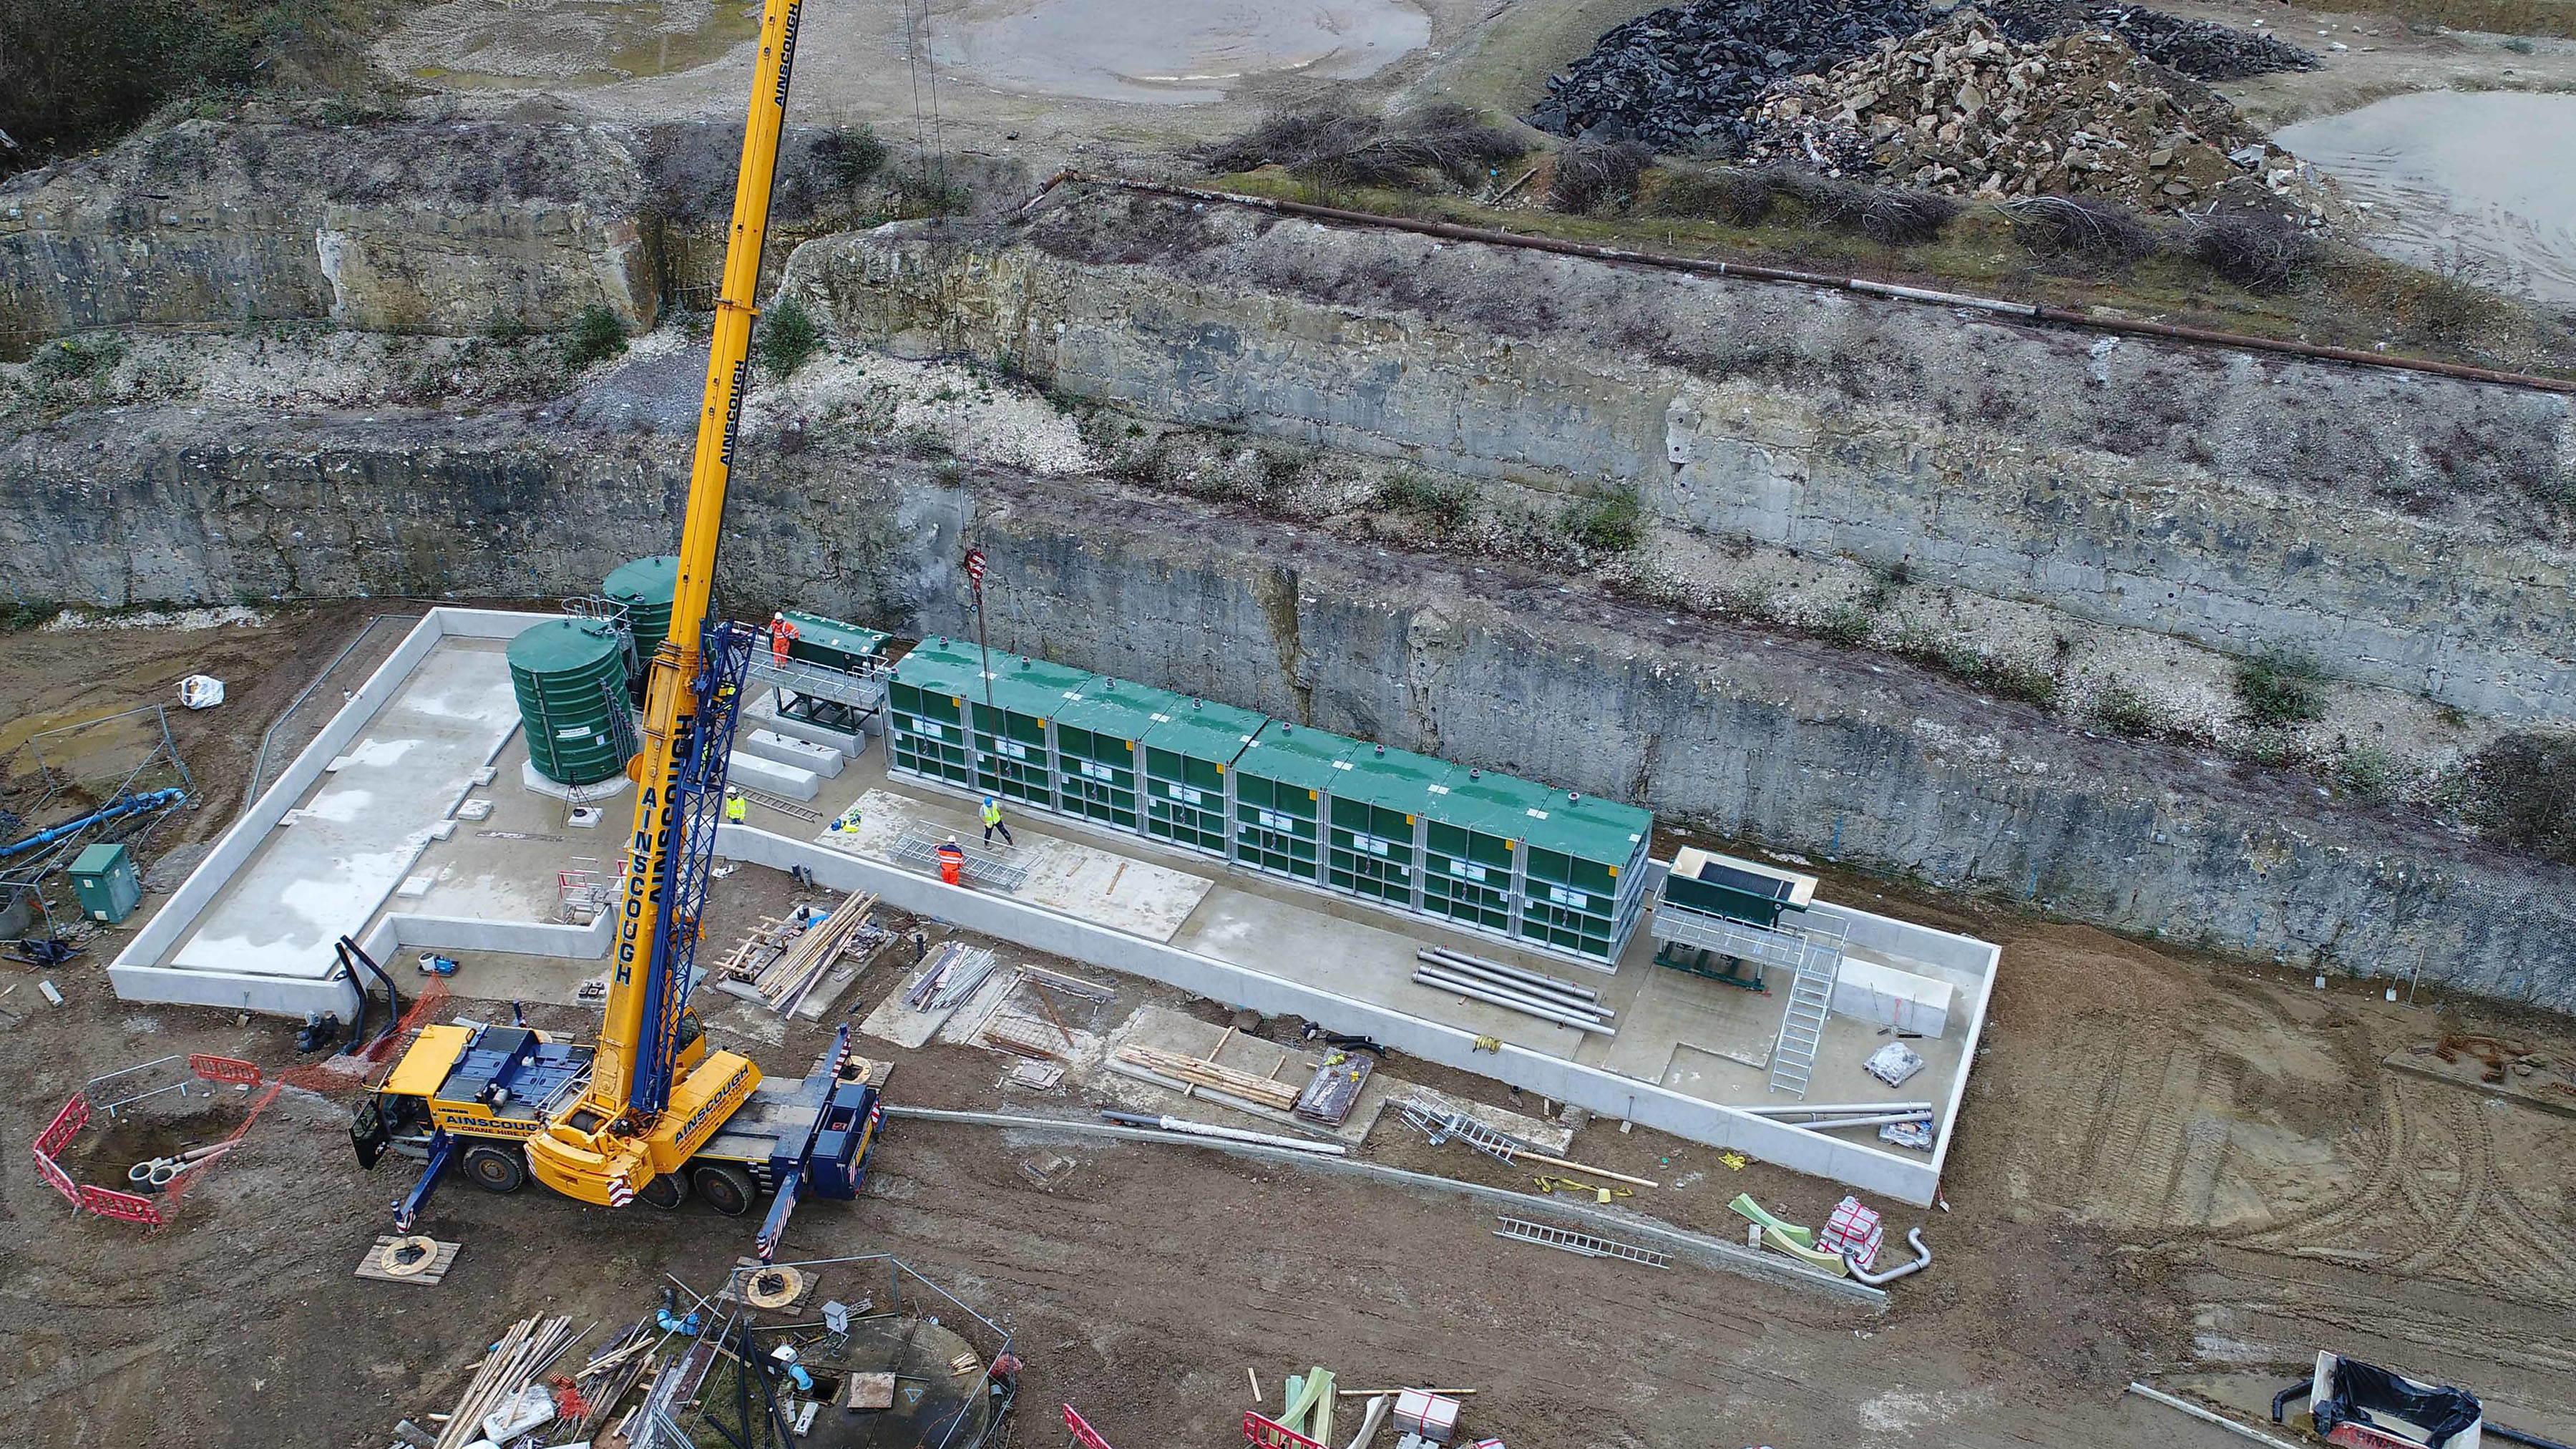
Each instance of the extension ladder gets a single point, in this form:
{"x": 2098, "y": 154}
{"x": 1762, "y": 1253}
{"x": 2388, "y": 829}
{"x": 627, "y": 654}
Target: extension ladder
{"x": 1582, "y": 1244}
{"x": 1440, "y": 1126}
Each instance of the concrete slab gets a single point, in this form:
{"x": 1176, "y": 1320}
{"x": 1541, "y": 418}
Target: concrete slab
{"x": 787, "y": 782}
{"x": 1123, "y": 893}
{"x": 359, "y": 833}
{"x": 824, "y": 760}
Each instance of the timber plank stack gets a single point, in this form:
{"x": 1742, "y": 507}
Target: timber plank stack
{"x": 1205, "y": 1072}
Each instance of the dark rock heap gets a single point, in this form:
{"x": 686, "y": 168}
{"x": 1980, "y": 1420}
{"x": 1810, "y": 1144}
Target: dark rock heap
{"x": 1682, "y": 77}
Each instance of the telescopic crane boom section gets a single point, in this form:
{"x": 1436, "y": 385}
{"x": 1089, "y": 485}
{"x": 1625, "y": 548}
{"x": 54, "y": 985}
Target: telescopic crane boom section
{"x": 648, "y": 1105}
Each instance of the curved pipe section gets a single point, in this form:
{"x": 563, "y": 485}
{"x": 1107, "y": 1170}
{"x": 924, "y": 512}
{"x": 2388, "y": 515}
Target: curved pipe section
{"x": 1922, "y": 1260}
{"x": 2288, "y": 1396}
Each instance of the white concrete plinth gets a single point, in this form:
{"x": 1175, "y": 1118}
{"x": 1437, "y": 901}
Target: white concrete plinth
{"x": 537, "y": 782}
{"x": 823, "y": 760}
{"x": 770, "y": 777}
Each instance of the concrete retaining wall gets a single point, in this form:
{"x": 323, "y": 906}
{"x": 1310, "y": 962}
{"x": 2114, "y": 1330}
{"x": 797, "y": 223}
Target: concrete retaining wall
{"x": 1907, "y": 1179}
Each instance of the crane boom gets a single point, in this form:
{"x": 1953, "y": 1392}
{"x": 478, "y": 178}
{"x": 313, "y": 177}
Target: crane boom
{"x": 638, "y": 1118}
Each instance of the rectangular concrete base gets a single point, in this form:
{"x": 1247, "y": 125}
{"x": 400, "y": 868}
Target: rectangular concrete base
{"x": 769, "y": 777}
{"x": 765, "y": 715}
{"x": 823, "y": 760}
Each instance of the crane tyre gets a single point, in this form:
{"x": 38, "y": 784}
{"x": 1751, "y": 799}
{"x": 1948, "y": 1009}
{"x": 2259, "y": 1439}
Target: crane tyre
{"x": 726, "y": 1188}
{"x": 666, "y": 1192}
{"x": 494, "y": 1169}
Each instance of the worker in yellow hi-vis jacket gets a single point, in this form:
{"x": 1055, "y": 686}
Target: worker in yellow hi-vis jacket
{"x": 993, "y": 822}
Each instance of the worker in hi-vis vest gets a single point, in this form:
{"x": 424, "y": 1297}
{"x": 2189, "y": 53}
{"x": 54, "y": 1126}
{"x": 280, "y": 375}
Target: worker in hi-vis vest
{"x": 782, "y": 636}
{"x": 993, "y": 822}
{"x": 737, "y": 809}
{"x": 952, "y": 862}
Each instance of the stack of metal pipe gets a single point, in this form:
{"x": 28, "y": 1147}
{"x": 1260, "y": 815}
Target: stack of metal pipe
{"x": 1530, "y": 993}
{"x": 1825, "y": 1116}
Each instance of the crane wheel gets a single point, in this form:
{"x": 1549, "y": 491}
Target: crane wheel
{"x": 666, "y": 1192}
{"x": 494, "y": 1169}
{"x": 726, "y": 1188}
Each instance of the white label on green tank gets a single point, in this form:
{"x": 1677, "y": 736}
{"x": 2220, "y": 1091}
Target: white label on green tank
{"x": 1192, "y": 797}
{"x": 930, "y": 729}
{"x": 573, "y": 732}
{"x": 1563, "y": 897}
{"x": 1012, "y": 748}
{"x": 1465, "y": 871}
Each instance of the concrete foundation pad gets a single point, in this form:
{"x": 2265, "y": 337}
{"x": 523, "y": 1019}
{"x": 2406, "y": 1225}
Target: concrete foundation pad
{"x": 537, "y": 782}
{"x": 788, "y": 782}
{"x": 823, "y": 760}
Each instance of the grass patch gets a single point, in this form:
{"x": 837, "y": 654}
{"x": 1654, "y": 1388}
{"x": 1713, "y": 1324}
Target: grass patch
{"x": 2277, "y": 689}
{"x": 76, "y": 359}
{"x": 1997, "y": 674}
{"x": 2262, "y": 256}
{"x": 1411, "y": 490}
{"x": 597, "y": 335}
{"x": 789, "y": 336}
{"x": 2372, "y": 773}
{"x": 1336, "y": 144}
{"x": 2124, "y": 711}
{"x": 1848, "y": 625}
{"x": 1605, "y": 523}
{"x": 25, "y": 614}
{"x": 1592, "y": 178}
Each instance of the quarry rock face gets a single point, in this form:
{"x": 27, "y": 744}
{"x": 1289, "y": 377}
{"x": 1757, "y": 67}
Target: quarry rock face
{"x": 413, "y": 226}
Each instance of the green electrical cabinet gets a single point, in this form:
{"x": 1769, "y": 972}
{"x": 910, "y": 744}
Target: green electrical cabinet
{"x": 1282, "y": 781}
{"x": 1187, "y": 761}
{"x": 1014, "y": 759}
{"x": 926, "y": 712}
{"x": 1373, "y": 847}
{"x": 1471, "y": 851}
{"x": 1098, "y": 755}
{"x": 103, "y": 878}
{"x": 1583, "y": 874}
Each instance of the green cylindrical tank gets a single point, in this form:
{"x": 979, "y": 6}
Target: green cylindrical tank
{"x": 563, "y": 672}
{"x": 645, "y": 588}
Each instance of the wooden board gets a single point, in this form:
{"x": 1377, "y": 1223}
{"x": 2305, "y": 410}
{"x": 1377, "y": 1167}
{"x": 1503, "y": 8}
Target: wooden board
{"x": 370, "y": 1266}
{"x": 871, "y": 1391}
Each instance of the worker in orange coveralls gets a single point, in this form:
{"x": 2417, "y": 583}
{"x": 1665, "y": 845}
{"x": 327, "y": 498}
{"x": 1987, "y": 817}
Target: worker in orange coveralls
{"x": 952, "y": 862}
{"x": 782, "y": 634}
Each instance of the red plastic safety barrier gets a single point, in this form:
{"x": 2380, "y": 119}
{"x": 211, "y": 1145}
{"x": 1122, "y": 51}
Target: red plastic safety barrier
{"x": 223, "y": 1069}
{"x": 1083, "y": 1433}
{"x": 186, "y": 1180}
{"x": 122, "y": 1206}
{"x": 67, "y": 1125}
{"x": 52, "y": 1172}
{"x": 1269, "y": 1435}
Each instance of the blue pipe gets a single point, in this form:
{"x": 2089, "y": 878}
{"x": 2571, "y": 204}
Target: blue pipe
{"x": 114, "y": 810}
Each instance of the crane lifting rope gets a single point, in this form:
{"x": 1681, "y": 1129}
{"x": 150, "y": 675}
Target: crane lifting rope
{"x": 648, "y": 1112}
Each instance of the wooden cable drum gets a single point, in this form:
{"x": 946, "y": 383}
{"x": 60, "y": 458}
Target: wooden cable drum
{"x": 773, "y": 1287}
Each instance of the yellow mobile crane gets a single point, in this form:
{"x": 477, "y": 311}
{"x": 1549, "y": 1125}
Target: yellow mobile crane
{"x": 648, "y": 1112}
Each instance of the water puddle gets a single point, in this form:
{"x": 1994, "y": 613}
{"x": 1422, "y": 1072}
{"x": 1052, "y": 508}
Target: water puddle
{"x": 1169, "y": 52}
{"x": 2476, "y": 182}
{"x": 488, "y": 45}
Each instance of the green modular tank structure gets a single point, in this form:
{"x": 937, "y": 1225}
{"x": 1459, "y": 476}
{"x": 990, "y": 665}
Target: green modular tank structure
{"x": 645, "y": 587}
{"x": 570, "y": 679}
{"x": 1485, "y": 852}
{"x": 835, "y": 643}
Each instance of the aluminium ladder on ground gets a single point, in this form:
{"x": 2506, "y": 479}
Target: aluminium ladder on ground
{"x": 1440, "y": 1126}
{"x": 983, "y": 867}
{"x": 1581, "y": 1244}
{"x": 1811, "y": 998}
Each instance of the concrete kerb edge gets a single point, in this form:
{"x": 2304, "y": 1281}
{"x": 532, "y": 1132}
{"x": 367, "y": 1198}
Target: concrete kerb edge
{"x": 1646, "y": 1103}
{"x": 1716, "y": 1252}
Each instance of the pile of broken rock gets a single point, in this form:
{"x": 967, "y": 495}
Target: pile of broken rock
{"x": 1964, "y": 109}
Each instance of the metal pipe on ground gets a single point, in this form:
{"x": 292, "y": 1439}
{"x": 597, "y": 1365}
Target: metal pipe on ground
{"x": 1884, "y": 1119}
{"x": 1516, "y": 973}
{"x": 1589, "y": 1006}
{"x": 2205, "y": 1416}
{"x": 1226, "y": 1134}
{"x": 1526, "y": 1007}
{"x": 1835, "y": 1109}
{"x": 1922, "y": 1260}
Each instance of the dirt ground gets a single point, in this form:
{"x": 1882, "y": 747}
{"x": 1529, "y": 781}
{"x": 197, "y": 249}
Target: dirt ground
{"x": 2171, "y": 1169}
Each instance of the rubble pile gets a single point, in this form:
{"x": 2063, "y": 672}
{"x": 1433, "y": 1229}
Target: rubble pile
{"x": 1964, "y": 109}
{"x": 1683, "y": 76}
{"x": 2200, "y": 49}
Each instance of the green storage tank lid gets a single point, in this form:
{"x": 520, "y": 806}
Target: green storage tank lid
{"x": 1394, "y": 779}
{"x": 563, "y": 672}
{"x": 1205, "y": 730}
{"x": 646, "y": 587}
{"x": 1588, "y": 827}
{"x": 1119, "y": 707}
{"x": 99, "y": 859}
{"x": 1036, "y": 688}
{"x": 943, "y": 666}
{"x": 1295, "y": 755}
{"x": 818, "y": 633}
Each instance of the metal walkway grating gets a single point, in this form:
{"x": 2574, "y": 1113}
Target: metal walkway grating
{"x": 920, "y": 848}
{"x": 1581, "y": 1244}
